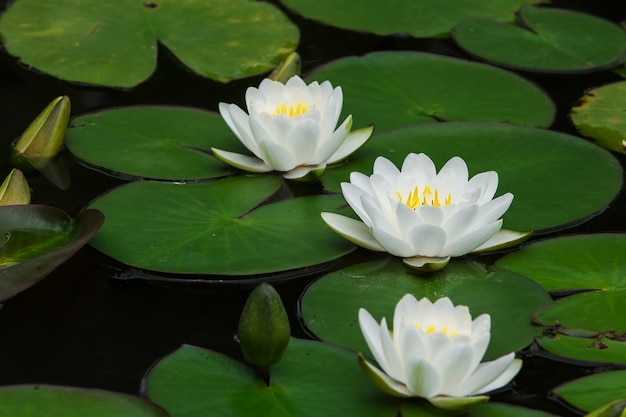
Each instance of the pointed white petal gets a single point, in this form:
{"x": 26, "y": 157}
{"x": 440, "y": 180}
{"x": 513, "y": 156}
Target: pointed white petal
{"x": 422, "y": 378}
{"x": 383, "y": 381}
{"x": 330, "y": 144}
{"x": 454, "y": 364}
{"x": 454, "y": 173}
{"x": 467, "y": 243}
{"x": 353, "y": 230}
{"x": 279, "y": 158}
{"x": 391, "y": 243}
{"x": 504, "y": 378}
{"x": 395, "y": 366}
{"x": 371, "y": 333}
{"x": 487, "y": 183}
{"x": 386, "y": 169}
{"x": 461, "y": 220}
{"x": 353, "y": 196}
{"x": 503, "y": 239}
{"x": 494, "y": 209}
{"x": 244, "y": 162}
{"x": 430, "y": 215}
{"x": 427, "y": 240}
{"x": 351, "y": 143}
{"x": 484, "y": 375}
{"x": 303, "y": 141}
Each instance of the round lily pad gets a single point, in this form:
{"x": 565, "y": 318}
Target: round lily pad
{"x": 590, "y": 263}
{"x": 312, "y": 379}
{"x": 545, "y": 40}
{"x": 330, "y": 306}
{"x": 594, "y": 391}
{"x": 393, "y": 89}
{"x": 419, "y": 18}
{"x": 56, "y": 401}
{"x": 219, "y": 227}
{"x": 114, "y": 42}
{"x": 541, "y": 168}
{"x": 35, "y": 239}
{"x": 600, "y": 116}
{"x": 168, "y": 143}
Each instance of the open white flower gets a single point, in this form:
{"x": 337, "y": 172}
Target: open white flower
{"x": 434, "y": 352}
{"x": 423, "y": 216}
{"x": 291, "y": 128}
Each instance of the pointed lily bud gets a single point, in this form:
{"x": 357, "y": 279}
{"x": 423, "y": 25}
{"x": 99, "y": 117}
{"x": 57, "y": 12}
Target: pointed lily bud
{"x": 616, "y": 408}
{"x": 44, "y": 137}
{"x": 14, "y": 190}
{"x": 290, "y": 66}
{"x": 263, "y": 327}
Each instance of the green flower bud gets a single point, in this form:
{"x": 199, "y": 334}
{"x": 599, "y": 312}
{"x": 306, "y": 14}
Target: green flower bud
{"x": 14, "y": 190}
{"x": 263, "y": 327}
{"x": 290, "y": 66}
{"x": 616, "y": 408}
{"x": 44, "y": 137}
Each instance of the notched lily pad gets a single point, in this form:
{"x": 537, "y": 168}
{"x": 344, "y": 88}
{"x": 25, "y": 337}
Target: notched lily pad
{"x": 168, "y": 143}
{"x": 330, "y": 305}
{"x": 601, "y": 115}
{"x": 545, "y": 40}
{"x": 114, "y": 43}
{"x": 35, "y": 239}
{"x": 393, "y": 89}
{"x": 219, "y": 227}
{"x": 594, "y": 391}
{"x": 592, "y": 265}
{"x": 57, "y": 401}
{"x": 418, "y": 18}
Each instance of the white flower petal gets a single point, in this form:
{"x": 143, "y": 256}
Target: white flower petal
{"x": 504, "y": 378}
{"x": 355, "y": 231}
{"x": 487, "y": 182}
{"x": 427, "y": 240}
{"x": 279, "y": 158}
{"x": 353, "y": 196}
{"x": 484, "y": 375}
{"x": 392, "y": 244}
{"x": 303, "y": 141}
{"x": 244, "y": 162}
{"x": 422, "y": 378}
{"x": 332, "y": 143}
{"x": 453, "y": 362}
{"x": 467, "y": 243}
{"x": 494, "y": 209}
{"x": 351, "y": 143}
{"x": 383, "y": 381}
{"x": 386, "y": 169}
{"x": 462, "y": 219}
{"x": 503, "y": 239}
{"x": 395, "y": 366}
{"x": 453, "y": 173}
{"x": 305, "y": 173}
{"x": 371, "y": 334}
{"x": 430, "y": 214}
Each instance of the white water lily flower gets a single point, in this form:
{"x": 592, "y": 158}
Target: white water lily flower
{"x": 424, "y": 216}
{"x": 434, "y": 352}
{"x": 291, "y": 128}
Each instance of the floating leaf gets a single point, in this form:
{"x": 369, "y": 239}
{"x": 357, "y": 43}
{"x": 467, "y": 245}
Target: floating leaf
{"x": 312, "y": 379}
{"x": 37, "y": 239}
{"x": 216, "y": 227}
{"x": 329, "y": 306}
{"x": 584, "y": 262}
{"x": 600, "y": 116}
{"x": 545, "y": 40}
{"x": 114, "y": 43}
{"x": 541, "y": 168}
{"x": 594, "y": 391}
{"x": 56, "y": 401}
{"x": 153, "y": 142}
{"x": 419, "y": 18}
{"x": 490, "y": 409}
{"x": 393, "y": 89}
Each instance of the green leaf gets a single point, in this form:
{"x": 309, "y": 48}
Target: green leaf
{"x": 584, "y": 262}
{"x": 329, "y": 307}
{"x": 480, "y": 410}
{"x": 114, "y": 42}
{"x": 312, "y": 379}
{"x": 216, "y": 227}
{"x": 153, "y": 142}
{"x": 393, "y": 89}
{"x": 541, "y": 168}
{"x": 419, "y": 18}
{"x": 594, "y": 391}
{"x": 600, "y": 116}
{"x": 56, "y": 401}
{"x": 545, "y": 40}
{"x": 37, "y": 239}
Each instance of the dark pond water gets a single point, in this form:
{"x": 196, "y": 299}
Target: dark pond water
{"x": 89, "y": 325}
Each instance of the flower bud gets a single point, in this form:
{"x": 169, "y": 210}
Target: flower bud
{"x": 616, "y": 408}
{"x": 44, "y": 137}
{"x": 14, "y": 190}
{"x": 290, "y": 66}
{"x": 263, "y": 327}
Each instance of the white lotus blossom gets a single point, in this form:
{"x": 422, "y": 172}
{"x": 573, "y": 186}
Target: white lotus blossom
{"x": 291, "y": 128}
{"x": 424, "y": 216}
{"x": 434, "y": 352}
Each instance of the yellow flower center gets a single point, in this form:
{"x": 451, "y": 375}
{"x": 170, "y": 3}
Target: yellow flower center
{"x": 291, "y": 110}
{"x": 431, "y": 328}
{"x": 427, "y": 198}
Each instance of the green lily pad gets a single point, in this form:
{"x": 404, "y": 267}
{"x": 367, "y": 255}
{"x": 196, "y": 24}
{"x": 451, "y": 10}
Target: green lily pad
{"x": 541, "y": 168}
{"x": 330, "y": 306}
{"x": 585, "y": 350}
{"x": 166, "y": 143}
{"x": 312, "y": 379}
{"x": 584, "y": 262}
{"x": 411, "y": 409}
{"x": 393, "y": 89}
{"x": 216, "y": 227}
{"x": 114, "y": 42}
{"x": 418, "y": 18}
{"x": 594, "y": 391}
{"x": 545, "y": 40}
{"x": 56, "y": 401}
{"x": 36, "y": 239}
{"x": 601, "y": 115}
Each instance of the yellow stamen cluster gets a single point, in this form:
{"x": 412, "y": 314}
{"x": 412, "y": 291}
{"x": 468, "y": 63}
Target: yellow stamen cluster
{"x": 428, "y": 198}
{"x": 291, "y": 110}
{"x": 431, "y": 328}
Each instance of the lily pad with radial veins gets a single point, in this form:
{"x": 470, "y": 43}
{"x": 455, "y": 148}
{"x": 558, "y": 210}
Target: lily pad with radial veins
{"x": 223, "y": 227}
{"x": 394, "y": 89}
{"x": 114, "y": 42}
